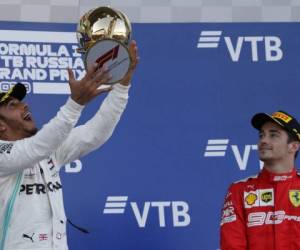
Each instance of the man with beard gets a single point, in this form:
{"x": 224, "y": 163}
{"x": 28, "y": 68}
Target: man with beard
{"x": 31, "y": 205}
{"x": 263, "y": 212}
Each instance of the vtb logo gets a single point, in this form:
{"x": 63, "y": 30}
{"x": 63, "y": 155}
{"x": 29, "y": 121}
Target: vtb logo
{"x": 178, "y": 209}
{"x": 269, "y": 44}
{"x": 219, "y": 148}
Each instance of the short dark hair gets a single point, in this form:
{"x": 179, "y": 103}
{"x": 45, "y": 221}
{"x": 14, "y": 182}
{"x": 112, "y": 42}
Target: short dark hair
{"x": 292, "y": 138}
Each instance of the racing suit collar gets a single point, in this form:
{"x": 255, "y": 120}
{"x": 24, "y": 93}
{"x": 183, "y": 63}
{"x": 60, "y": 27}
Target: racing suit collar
{"x": 273, "y": 177}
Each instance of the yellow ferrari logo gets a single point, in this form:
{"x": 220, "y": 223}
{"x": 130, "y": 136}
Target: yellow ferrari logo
{"x": 294, "y": 196}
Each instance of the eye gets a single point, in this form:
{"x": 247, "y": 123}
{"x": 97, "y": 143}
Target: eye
{"x": 274, "y": 135}
{"x": 12, "y": 103}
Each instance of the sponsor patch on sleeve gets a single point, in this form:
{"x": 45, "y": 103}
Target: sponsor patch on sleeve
{"x": 228, "y": 212}
{"x": 6, "y": 148}
{"x": 228, "y": 215}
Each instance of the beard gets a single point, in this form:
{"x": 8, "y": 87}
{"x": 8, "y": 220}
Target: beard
{"x": 19, "y": 129}
{"x": 31, "y": 132}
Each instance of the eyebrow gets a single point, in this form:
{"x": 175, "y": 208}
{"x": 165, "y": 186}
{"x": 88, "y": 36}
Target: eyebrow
{"x": 275, "y": 131}
{"x": 4, "y": 103}
{"x": 272, "y": 131}
{"x": 7, "y": 101}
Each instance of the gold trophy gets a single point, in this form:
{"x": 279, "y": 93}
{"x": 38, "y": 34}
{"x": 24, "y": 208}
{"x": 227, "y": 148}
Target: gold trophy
{"x": 103, "y": 35}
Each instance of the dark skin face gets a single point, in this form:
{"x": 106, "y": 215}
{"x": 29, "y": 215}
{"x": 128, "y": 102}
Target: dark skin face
{"x": 16, "y": 120}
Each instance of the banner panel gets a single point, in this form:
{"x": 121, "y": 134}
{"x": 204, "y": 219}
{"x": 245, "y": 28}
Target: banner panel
{"x": 160, "y": 181}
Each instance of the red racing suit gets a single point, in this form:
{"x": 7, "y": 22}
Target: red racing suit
{"x": 262, "y": 213}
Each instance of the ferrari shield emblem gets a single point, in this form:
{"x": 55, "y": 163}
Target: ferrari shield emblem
{"x": 294, "y": 196}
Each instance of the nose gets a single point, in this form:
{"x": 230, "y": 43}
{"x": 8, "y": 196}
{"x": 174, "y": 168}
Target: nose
{"x": 25, "y": 105}
{"x": 263, "y": 140}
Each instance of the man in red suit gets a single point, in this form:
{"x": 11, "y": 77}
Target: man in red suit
{"x": 262, "y": 212}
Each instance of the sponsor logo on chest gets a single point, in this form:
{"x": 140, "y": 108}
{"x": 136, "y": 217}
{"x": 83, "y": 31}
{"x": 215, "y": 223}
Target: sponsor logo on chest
{"x": 294, "y": 196}
{"x": 259, "y": 198}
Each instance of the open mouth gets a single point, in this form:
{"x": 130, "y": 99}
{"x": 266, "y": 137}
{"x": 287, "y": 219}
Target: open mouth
{"x": 27, "y": 116}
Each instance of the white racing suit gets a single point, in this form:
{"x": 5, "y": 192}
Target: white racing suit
{"x": 38, "y": 220}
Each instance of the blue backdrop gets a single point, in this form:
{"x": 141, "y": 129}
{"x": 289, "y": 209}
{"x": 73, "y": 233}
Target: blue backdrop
{"x": 185, "y": 135}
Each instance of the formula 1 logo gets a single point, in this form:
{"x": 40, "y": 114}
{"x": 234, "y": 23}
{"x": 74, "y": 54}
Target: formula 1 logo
{"x": 269, "y": 46}
{"x": 178, "y": 209}
{"x": 219, "y": 148}
{"x": 110, "y": 55}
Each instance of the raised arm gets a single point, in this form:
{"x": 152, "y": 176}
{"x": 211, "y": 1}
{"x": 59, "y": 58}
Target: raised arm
{"x": 96, "y": 132}
{"x": 25, "y": 152}
{"x": 90, "y": 136}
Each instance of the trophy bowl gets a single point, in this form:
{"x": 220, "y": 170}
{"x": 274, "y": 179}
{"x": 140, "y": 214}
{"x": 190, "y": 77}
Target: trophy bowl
{"x": 103, "y": 35}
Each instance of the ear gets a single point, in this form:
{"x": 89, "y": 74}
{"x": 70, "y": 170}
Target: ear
{"x": 294, "y": 146}
{"x": 2, "y": 126}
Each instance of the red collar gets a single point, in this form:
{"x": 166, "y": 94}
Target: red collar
{"x": 273, "y": 177}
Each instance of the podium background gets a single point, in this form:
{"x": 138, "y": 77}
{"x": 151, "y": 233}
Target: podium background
{"x": 182, "y": 99}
